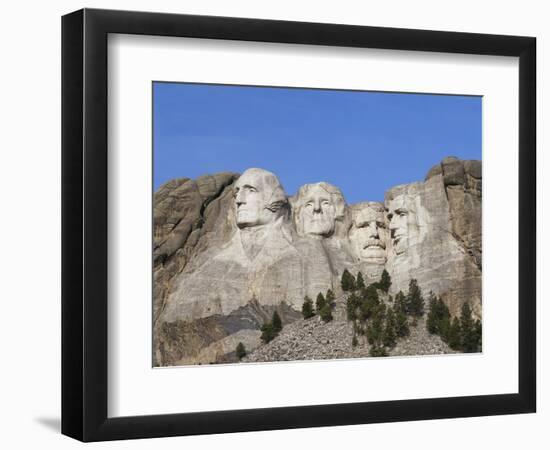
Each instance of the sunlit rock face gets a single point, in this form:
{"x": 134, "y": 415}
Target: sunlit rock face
{"x": 229, "y": 250}
{"x": 317, "y": 209}
{"x": 368, "y": 239}
{"x": 368, "y": 233}
{"x": 321, "y": 220}
{"x": 435, "y": 235}
{"x": 408, "y": 219}
{"x": 257, "y": 263}
{"x": 259, "y": 198}
{"x": 191, "y": 220}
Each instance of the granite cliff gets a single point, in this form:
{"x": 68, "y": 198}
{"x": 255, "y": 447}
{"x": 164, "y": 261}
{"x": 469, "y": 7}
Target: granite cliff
{"x": 230, "y": 249}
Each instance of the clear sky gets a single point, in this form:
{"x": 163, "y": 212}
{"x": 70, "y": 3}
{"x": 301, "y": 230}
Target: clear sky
{"x": 362, "y": 142}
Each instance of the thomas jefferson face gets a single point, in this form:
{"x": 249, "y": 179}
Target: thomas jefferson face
{"x": 368, "y": 233}
{"x": 402, "y": 219}
{"x": 320, "y": 205}
{"x": 258, "y": 198}
{"x": 318, "y": 212}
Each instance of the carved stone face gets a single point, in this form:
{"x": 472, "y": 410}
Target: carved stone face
{"x": 368, "y": 233}
{"x": 320, "y": 205}
{"x": 402, "y": 219}
{"x": 259, "y": 197}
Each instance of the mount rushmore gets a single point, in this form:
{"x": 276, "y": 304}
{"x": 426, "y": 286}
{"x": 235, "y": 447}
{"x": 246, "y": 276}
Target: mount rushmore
{"x": 230, "y": 249}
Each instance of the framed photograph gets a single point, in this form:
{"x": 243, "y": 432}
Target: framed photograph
{"x": 272, "y": 224}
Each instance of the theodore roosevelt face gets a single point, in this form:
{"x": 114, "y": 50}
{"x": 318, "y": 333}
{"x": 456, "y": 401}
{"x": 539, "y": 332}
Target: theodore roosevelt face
{"x": 258, "y": 198}
{"x": 368, "y": 233}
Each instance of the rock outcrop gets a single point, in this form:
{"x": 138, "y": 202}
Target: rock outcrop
{"x": 190, "y": 220}
{"x": 229, "y": 250}
{"x": 435, "y": 230}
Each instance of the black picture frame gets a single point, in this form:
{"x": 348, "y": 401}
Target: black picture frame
{"x": 84, "y": 224}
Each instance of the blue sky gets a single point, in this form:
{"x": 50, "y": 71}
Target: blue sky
{"x": 362, "y": 142}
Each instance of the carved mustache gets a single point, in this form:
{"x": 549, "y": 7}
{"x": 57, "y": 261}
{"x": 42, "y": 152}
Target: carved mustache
{"x": 374, "y": 243}
{"x": 319, "y": 217}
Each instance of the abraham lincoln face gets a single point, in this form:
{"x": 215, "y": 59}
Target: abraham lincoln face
{"x": 402, "y": 222}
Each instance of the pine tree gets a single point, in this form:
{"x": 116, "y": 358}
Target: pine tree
{"x": 240, "y": 350}
{"x": 268, "y": 333}
{"x": 375, "y": 328}
{"x": 432, "y": 324}
{"x": 454, "y": 339}
{"x": 385, "y": 281}
{"x": 439, "y": 317}
{"x": 369, "y": 302}
{"x": 372, "y": 294}
{"x": 360, "y": 283}
{"x": 352, "y": 303}
{"x": 389, "y": 336}
{"x": 415, "y": 301}
{"x": 401, "y": 323}
{"x": 326, "y": 313}
{"x": 401, "y": 302}
{"x": 445, "y": 326}
{"x": 468, "y": 330}
{"x": 307, "y": 308}
{"x": 444, "y": 317}
{"x": 320, "y": 302}
{"x": 330, "y": 299}
{"x": 378, "y": 350}
{"x": 348, "y": 281}
{"x": 276, "y": 322}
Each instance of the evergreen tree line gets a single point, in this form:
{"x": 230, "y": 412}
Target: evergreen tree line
{"x": 383, "y": 325}
{"x": 350, "y": 284}
{"x": 324, "y": 304}
{"x": 462, "y": 334}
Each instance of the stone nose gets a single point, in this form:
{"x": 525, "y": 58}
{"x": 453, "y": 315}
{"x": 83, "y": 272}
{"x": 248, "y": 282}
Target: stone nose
{"x": 317, "y": 206}
{"x": 372, "y": 230}
{"x": 240, "y": 198}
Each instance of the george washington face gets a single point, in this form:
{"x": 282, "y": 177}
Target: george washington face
{"x": 258, "y": 198}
